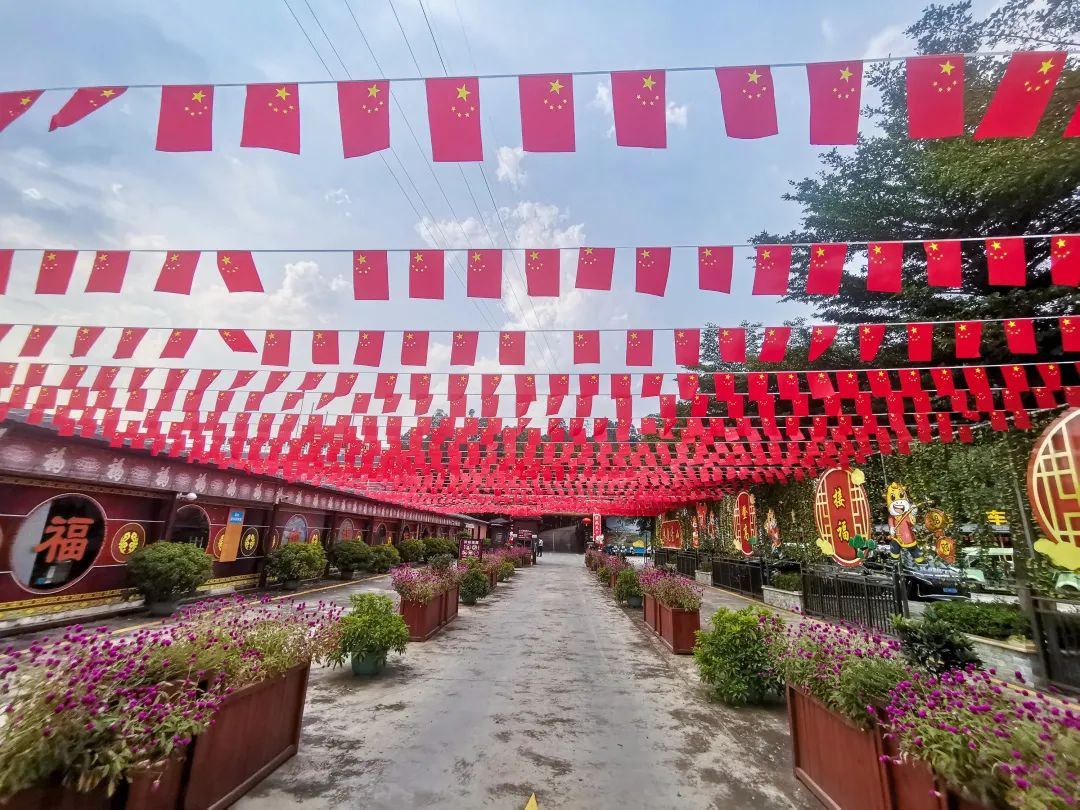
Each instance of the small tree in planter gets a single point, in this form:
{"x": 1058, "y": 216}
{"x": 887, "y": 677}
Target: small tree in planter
{"x": 627, "y": 587}
{"x": 295, "y": 562}
{"x": 351, "y": 556}
{"x": 368, "y": 632}
{"x": 474, "y": 585}
{"x": 738, "y": 657}
{"x": 165, "y": 572}
{"x": 506, "y": 569}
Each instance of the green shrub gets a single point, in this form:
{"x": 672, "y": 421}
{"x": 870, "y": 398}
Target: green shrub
{"x": 473, "y": 585}
{"x": 787, "y": 582}
{"x": 352, "y": 555}
{"x": 739, "y": 656}
{"x": 934, "y": 645}
{"x": 296, "y": 561}
{"x": 411, "y": 550}
{"x": 603, "y": 574}
{"x": 990, "y": 620}
{"x": 372, "y": 627}
{"x": 627, "y": 585}
{"x": 506, "y": 570}
{"x": 440, "y": 562}
{"x": 163, "y": 571}
{"x": 384, "y": 557}
{"x": 437, "y": 546}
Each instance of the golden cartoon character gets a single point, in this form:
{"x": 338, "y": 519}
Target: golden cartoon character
{"x": 902, "y": 512}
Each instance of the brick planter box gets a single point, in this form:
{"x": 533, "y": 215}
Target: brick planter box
{"x": 676, "y": 628}
{"x": 425, "y": 619}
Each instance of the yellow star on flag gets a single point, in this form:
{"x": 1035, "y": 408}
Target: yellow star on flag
{"x": 464, "y": 92}
{"x": 933, "y": 247}
{"x": 556, "y": 86}
{"x": 708, "y": 252}
{"x": 282, "y": 93}
{"x": 225, "y": 260}
{"x": 361, "y": 259}
{"x": 25, "y": 100}
{"x": 1061, "y": 243}
{"x": 753, "y": 77}
{"x": 765, "y": 254}
{"x": 1045, "y": 67}
{"x": 198, "y": 96}
{"x": 373, "y": 91}
{"x": 645, "y": 253}
{"x": 877, "y": 249}
{"x": 821, "y": 251}
{"x": 947, "y": 68}
{"x": 534, "y": 255}
{"x": 108, "y": 93}
{"x": 845, "y": 74}
{"x": 996, "y": 245}
{"x": 648, "y": 82}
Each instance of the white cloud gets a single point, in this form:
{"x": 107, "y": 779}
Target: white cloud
{"x": 510, "y": 169}
{"x": 32, "y": 194}
{"x": 602, "y": 99}
{"x": 338, "y": 196}
{"x": 676, "y": 114}
{"x": 828, "y": 30}
{"x": 890, "y": 39}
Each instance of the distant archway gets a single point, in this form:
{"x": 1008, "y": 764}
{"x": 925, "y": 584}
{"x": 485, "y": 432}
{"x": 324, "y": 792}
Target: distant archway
{"x": 191, "y": 525}
{"x": 379, "y": 538}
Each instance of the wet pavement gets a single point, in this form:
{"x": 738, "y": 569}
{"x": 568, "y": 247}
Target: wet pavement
{"x": 545, "y": 687}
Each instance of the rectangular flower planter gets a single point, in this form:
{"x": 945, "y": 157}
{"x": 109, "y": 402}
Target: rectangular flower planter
{"x": 649, "y": 609}
{"x": 611, "y": 582}
{"x": 493, "y": 579}
{"x": 677, "y": 628}
{"x": 450, "y": 604}
{"x": 425, "y": 619}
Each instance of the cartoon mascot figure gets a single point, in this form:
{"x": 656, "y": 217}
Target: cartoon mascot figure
{"x": 901, "y": 522}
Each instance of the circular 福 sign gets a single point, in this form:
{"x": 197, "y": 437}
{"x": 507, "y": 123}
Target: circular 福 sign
{"x": 842, "y": 515}
{"x": 249, "y": 541}
{"x": 128, "y": 539}
{"x": 1053, "y": 483}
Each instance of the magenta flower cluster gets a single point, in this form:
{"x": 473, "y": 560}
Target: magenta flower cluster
{"x": 423, "y": 584}
{"x": 670, "y": 590}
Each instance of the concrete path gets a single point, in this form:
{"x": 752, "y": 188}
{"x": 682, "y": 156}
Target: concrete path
{"x": 547, "y": 687}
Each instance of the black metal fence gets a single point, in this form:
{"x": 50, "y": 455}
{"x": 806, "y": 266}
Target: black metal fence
{"x": 870, "y": 601}
{"x": 1057, "y": 627}
{"x": 686, "y": 563}
{"x": 664, "y": 556}
{"x": 742, "y": 576}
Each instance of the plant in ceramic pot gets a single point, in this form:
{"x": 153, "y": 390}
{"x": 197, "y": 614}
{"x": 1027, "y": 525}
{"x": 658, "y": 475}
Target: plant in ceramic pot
{"x": 166, "y": 572}
{"x": 368, "y": 632}
{"x": 627, "y": 587}
{"x": 351, "y": 556}
{"x": 295, "y": 562}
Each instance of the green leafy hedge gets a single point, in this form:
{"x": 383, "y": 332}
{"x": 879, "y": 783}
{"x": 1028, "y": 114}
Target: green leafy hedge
{"x": 986, "y": 619}
{"x": 163, "y": 571}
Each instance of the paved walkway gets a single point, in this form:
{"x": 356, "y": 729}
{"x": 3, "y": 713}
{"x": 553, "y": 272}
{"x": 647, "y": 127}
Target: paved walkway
{"x": 547, "y": 687}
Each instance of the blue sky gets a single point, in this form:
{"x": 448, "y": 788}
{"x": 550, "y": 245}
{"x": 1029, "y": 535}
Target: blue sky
{"x": 100, "y": 184}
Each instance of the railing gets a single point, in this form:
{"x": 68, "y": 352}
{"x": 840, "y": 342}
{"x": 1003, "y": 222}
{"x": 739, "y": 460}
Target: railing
{"x": 854, "y": 598}
{"x": 741, "y": 576}
{"x": 1057, "y": 634}
{"x": 686, "y": 563}
{"x": 664, "y": 556}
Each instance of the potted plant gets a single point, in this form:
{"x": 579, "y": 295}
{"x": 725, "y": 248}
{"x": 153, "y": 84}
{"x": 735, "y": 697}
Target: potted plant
{"x": 368, "y": 632}
{"x": 627, "y": 587}
{"x": 474, "y": 584}
{"x": 506, "y": 569}
{"x": 351, "y": 556}
{"x": 739, "y": 658}
{"x": 424, "y": 596}
{"x": 295, "y": 562}
{"x": 678, "y": 613}
{"x": 165, "y": 572}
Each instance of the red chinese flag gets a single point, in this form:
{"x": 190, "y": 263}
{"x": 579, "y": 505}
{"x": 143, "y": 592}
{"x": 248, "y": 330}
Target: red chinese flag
{"x": 586, "y": 347}
{"x": 772, "y": 269}
{"x": 1021, "y": 98}
{"x": 186, "y": 119}
{"x": 85, "y": 338}
{"x": 54, "y": 274}
{"x": 107, "y": 273}
{"x": 651, "y": 270}
{"x": 1020, "y": 335}
{"x": 177, "y": 272}
{"x": 620, "y": 386}
{"x": 821, "y": 338}
{"x": 1069, "y": 327}
{"x": 128, "y": 343}
{"x": 14, "y": 104}
{"x": 884, "y": 263}
{"x": 826, "y": 267}
{"x": 457, "y": 384}
{"x": 687, "y": 347}
{"x": 6, "y": 257}
{"x": 639, "y": 343}
{"x": 179, "y": 342}
{"x": 1065, "y": 260}
{"x": 542, "y": 272}
{"x": 463, "y": 348}
{"x": 364, "y": 110}
{"x": 237, "y": 269}
{"x": 237, "y": 340}
{"x": 1005, "y": 262}
{"x": 485, "y": 274}
{"x": 870, "y": 337}
{"x": 935, "y": 96}
{"x": 714, "y": 268}
{"x": 774, "y": 344}
{"x": 733, "y": 345}
{"x": 454, "y": 120}
{"x": 426, "y": 269}
{"x": 512, "y": 348}
{"x": 595, "y": 268}
{"x": 943, "y": 267}
{"x": 558, "y": 384}
{"x": 272, "y": 117}
{"x": 385, "y": 385}
{"x": 1072, "y": 129}
{"x": 547, "y": 113}
{"x": 371, "y": 279}
{"x": 640, "y": 108}
{"x": 748, "y": 100}
{"x": 276, "y": 347}
{"x": 414, "y": 348}
{"x": 835, "y": 93}
{"x": 920, "y": 342}
{"x": 369, "y": 347}
{"x": 83, "y": 102}
{"x": 968, "y": 339}
{"x": 324, "y": 347}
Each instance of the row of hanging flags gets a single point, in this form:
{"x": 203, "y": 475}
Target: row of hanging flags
{"x": 325, "y": 344}
{"x": 1006, "y": 259}
{"x": 935, "y": 100}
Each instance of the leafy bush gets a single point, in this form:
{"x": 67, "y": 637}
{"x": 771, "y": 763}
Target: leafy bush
{"x": 787, "y": 582}
{"x": 352, "y": 555}
{"x": 434, "y": 546}
{"x": 473, "y": 585}
{"x": 603, "y": 574}
{"x": 440, "y": 562}
{"x": 372, "y": 627}
{"x": 506, "y": 570}
{"x": 986, "y": 619}
{"x": 738, "y": 657}
{"x": 626, "y": 584}
{"x": 296, "y": 561}
{"x": 934, "y": 645}
{"x": 411, "y": 550}
{"x": 383, "y": 558}
{"x": 163, "y": 571}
